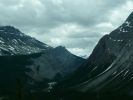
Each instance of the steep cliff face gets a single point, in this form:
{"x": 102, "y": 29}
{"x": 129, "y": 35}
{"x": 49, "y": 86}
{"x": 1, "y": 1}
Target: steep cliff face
{"x": 109, "y": 67}
{"x": 110, "y": 46}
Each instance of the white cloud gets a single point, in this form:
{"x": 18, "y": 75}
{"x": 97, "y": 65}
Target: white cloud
{"x": 75, "y": 24}
{"x": 80, "y": 52}
{"x": 119, "y": 14}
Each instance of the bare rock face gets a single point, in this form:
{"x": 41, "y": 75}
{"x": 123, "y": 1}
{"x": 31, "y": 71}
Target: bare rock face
{"x": 14, "y": 42}
{"x": 109, "y": 67}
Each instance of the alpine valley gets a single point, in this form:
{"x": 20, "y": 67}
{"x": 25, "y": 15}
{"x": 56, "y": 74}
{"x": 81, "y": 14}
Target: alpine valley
{"x": 108, "y": 73}
{"x": 32, "y": 70}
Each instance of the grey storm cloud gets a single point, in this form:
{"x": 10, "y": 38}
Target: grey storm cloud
{"x": 75, "y": 24}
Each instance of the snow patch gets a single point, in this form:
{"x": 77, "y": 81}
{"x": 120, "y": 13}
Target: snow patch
{"x": 1, "y": 41}
{"x": 121, "y": 29}
{"x": 126, "y": 73}
{"x": 51, "y": 85}
{"x": 11, "y": 48}
{"x": 127, "y": 23}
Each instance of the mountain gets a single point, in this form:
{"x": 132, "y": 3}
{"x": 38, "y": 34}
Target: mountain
{"x": 108, "y": 72}
{"x": 36, "y": 69}
{"x": 56, "y": 60}
{"x": 54, "y": 63}
{"x": 14, "y": 42}
{"x": 28, "y": 63}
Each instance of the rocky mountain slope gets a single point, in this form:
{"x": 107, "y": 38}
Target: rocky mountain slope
{"x": 31, "y": 63}
{"x": 14, "y": 42}
{"x": 52, "y": 63}
{"x": 108, "y": 71}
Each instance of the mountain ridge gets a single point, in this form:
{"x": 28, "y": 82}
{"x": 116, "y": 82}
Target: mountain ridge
{"x": 14, "y": 42}
{"x": 109, "y": 67}
{"x": 31, "y": 62}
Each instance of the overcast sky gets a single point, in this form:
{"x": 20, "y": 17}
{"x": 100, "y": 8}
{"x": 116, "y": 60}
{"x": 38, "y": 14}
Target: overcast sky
{"x": 75, "y": 24}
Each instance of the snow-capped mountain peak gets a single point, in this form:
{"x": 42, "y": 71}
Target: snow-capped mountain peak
{"x": 14, "y": 42}
{"x": 10, "y": 30}
{"x": 127, "y": 26}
